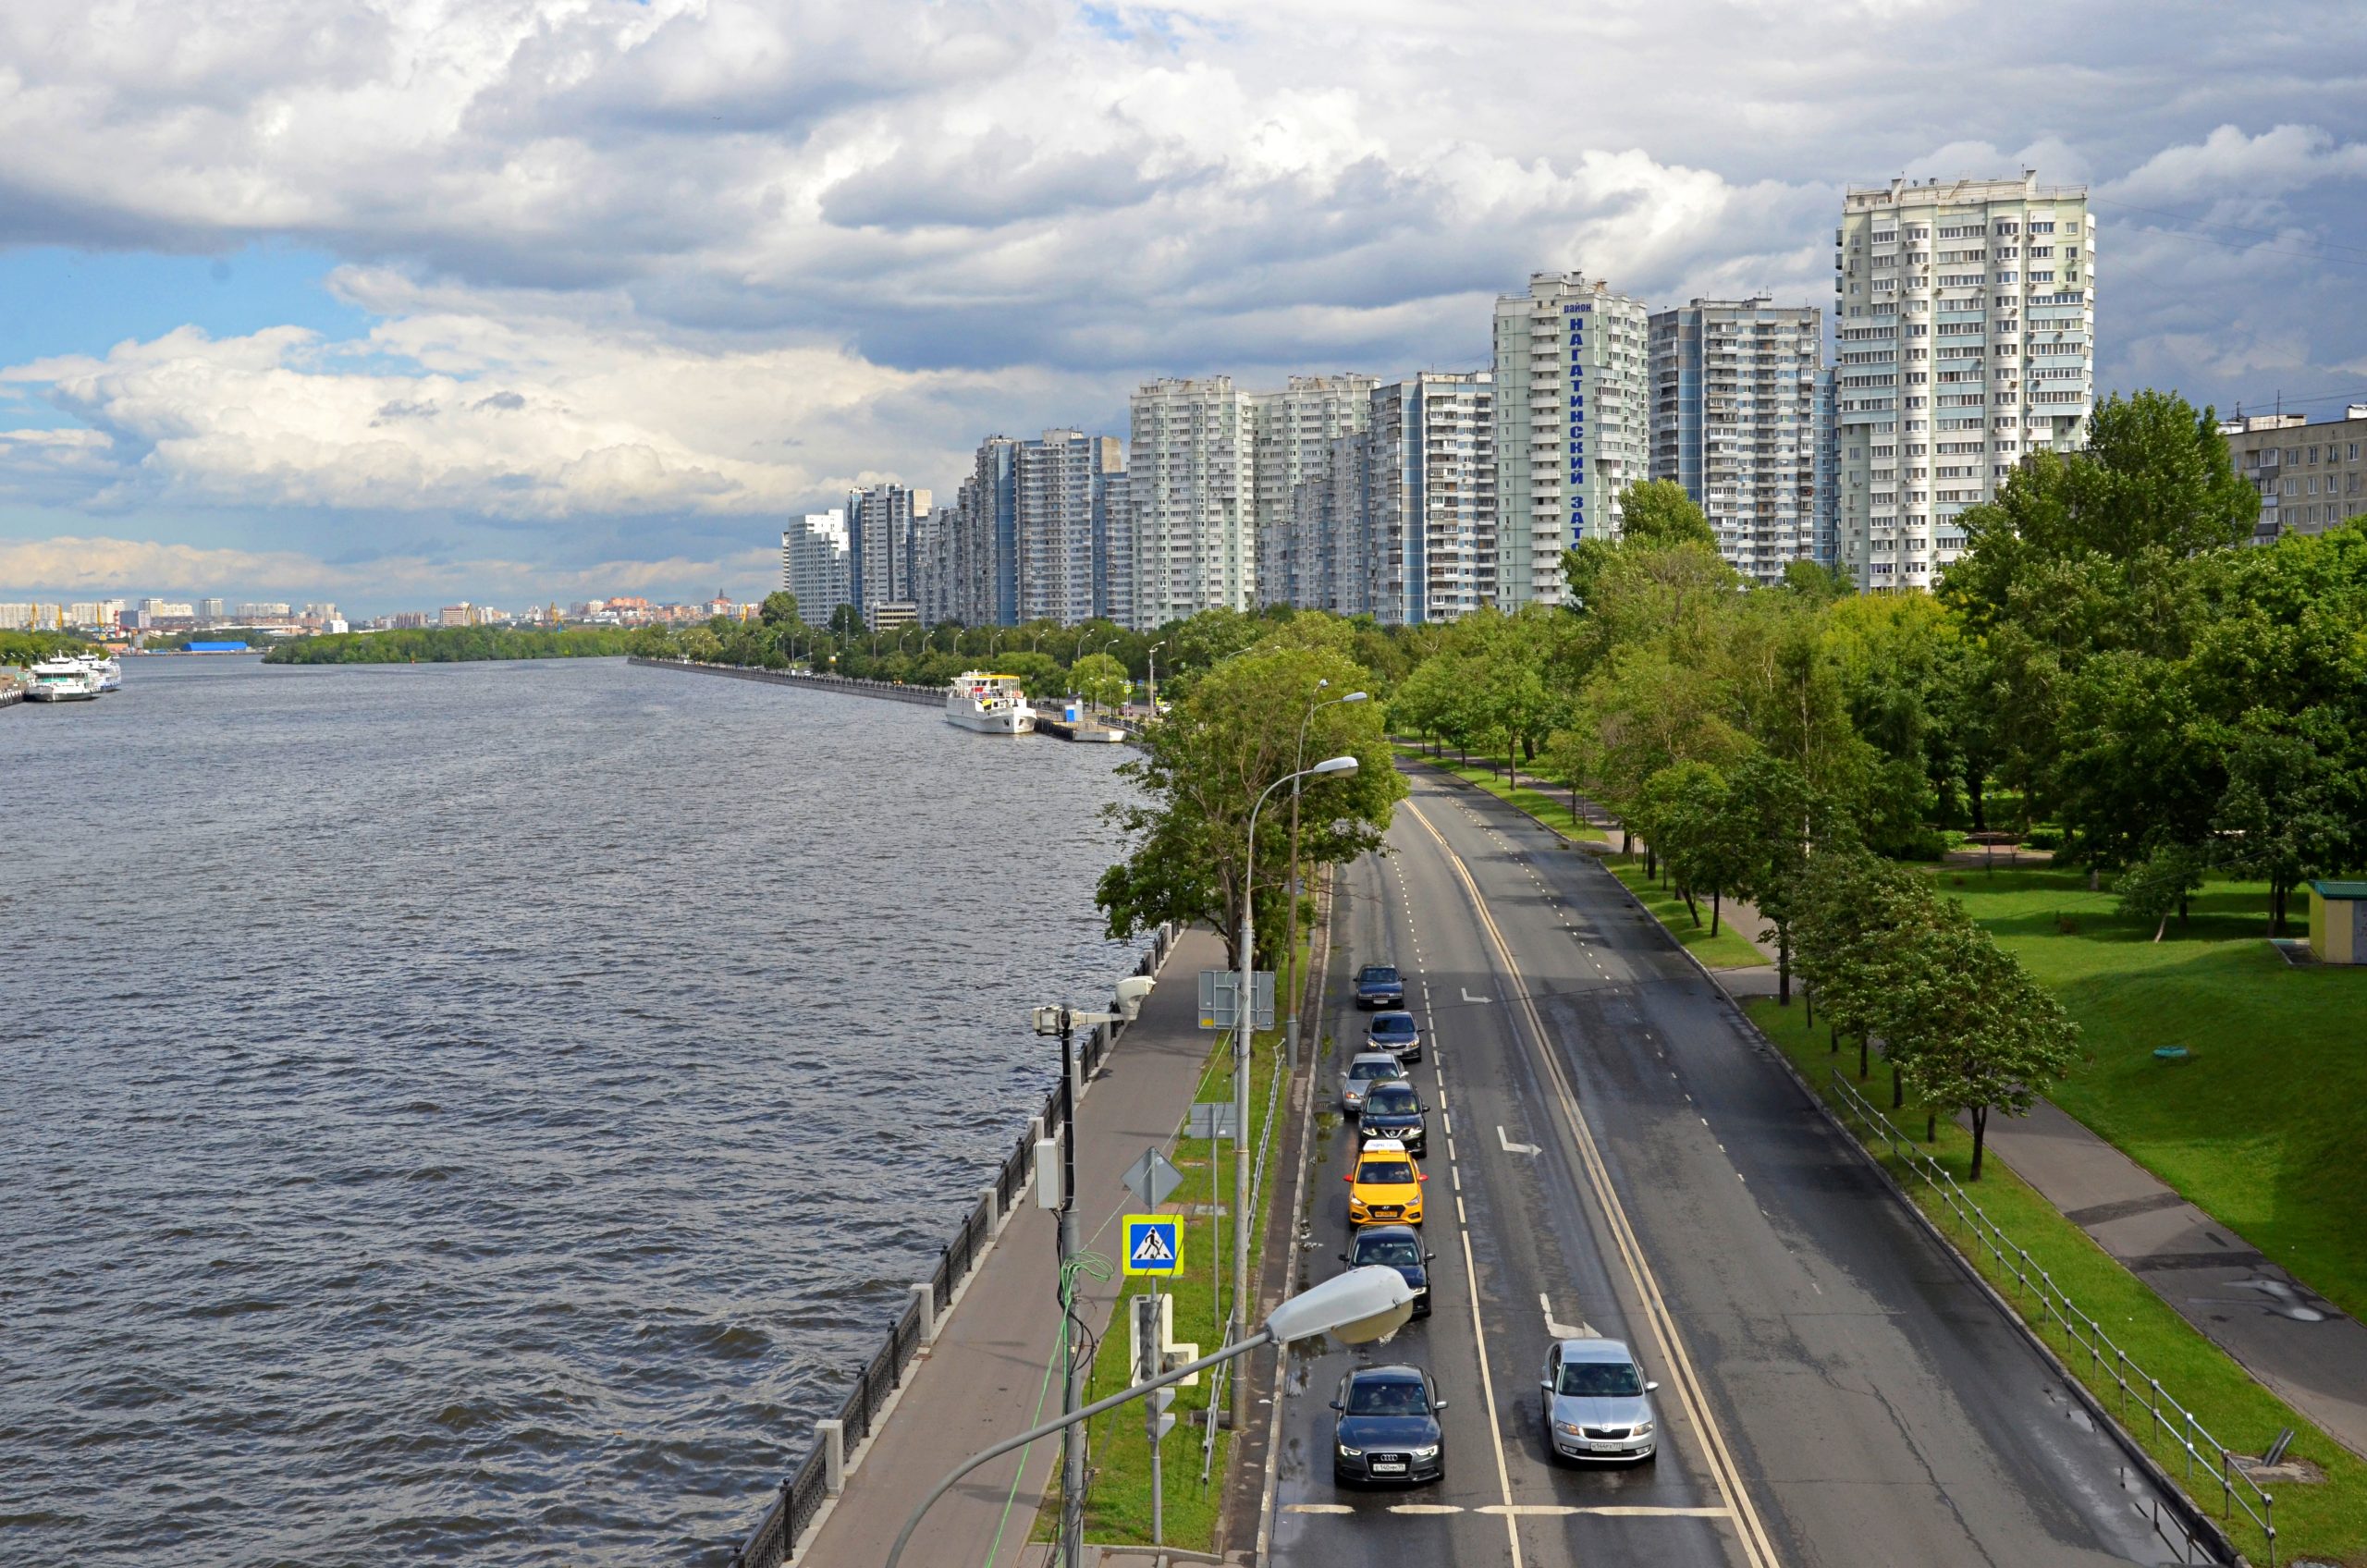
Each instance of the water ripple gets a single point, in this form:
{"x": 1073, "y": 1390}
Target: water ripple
{"x": 466, "y": 1119}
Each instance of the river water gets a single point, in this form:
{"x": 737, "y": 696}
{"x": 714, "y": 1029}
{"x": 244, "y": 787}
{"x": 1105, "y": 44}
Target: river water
{"x": 480, "y": 1112}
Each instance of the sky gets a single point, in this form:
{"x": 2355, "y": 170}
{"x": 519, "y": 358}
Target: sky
{"x": 400, "y": 302}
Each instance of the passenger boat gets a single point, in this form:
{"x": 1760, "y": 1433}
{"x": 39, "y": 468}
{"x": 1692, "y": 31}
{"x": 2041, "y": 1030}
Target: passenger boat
{"x": 992, "y": 704}
{"x": 62, "y": 680}
{"x": 106, "y": 668}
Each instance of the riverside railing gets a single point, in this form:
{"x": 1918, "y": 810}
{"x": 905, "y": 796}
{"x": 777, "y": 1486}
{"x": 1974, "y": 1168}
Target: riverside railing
{"x": 800, "y": 1498}
{"x": 2170, "y": 1420}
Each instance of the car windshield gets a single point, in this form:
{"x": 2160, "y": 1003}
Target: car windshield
{"x": 1600, "y": 1379}
{"x": 1387, "y": 1396}
{"x": 1377, "y": 972}
{"x": 1390, "y": 1099}
{"x": 1363, "y": 1070}
{"x": 1393, "y": 1024}
{"x": 1396, "y": 1252}
{"x": 1386, "y": 1172}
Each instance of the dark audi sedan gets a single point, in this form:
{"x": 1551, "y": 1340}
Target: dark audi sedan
{"x": 1399, "y": 1247}
{"x": 1387, "y": 1427}
{"x": 1379, "y": 985}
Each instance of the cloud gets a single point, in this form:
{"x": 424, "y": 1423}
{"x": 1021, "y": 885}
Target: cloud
{"x": 642, "y": 276}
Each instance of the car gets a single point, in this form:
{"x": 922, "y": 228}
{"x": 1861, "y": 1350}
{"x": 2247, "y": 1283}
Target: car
{"x": 1379, "y": 985}
{"x": 1597, "y": 1404}
{"x": 1365, "y": 1069}
{"x": 1395, "y": 1032}
{"x": 1386, "y": 1186}
{"x": 1393, "y": 1108}
{"x": 1386, "y": 1429}
{"x": 1399, "y": 1247}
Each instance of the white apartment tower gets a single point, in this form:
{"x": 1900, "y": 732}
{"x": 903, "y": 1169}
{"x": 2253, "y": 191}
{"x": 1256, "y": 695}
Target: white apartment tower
{"x": 1192, "y": 478}
{"x": 1427, "y": 544}
{"x": 1965, "y": 339}
{"x": 1293, "y": 436}
{"x": 879, "y": 544}
{"x": 1056, "y": 480}
{"x": 1734, "y": 422}
{"x": 1572, "y": 424}
{"x": 813, "y": 565}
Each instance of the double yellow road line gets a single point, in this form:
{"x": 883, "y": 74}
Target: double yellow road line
{"x": 1758, "y": 1550}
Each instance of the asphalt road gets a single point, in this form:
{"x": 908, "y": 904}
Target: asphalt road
{"x": 1616, "y": 1152}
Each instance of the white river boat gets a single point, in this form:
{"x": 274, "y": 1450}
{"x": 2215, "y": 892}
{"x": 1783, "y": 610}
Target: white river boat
{"x": 992, "y": 704}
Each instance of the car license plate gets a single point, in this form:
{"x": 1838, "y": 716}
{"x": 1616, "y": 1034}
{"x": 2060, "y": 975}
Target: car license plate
{"x": 1389, "y": 1469}
{"x": 1599, "y": 1443}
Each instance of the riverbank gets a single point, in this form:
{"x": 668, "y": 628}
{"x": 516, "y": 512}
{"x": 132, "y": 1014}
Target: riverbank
{"x": 454, "y": 645}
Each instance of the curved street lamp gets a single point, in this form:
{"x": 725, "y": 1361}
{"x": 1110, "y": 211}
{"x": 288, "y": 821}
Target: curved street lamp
{"x": 1289, "y": 948}
{"x": 1245, "y": 1024}
{"x": 1354, "y": 1308}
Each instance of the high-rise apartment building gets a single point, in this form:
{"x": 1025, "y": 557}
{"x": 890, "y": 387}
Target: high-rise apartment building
{"x": 1294, "y": 433}
{"x": 1114, "y": 547}
{"x": 1824, "y": 545}
{"x": 1734, "y": 421}
{"x": 1426, "y": 546}
{"x": 1572, "y": 424}
{"x": 1191, "y": 478}
{"x": 1964, "y": 315}
{"x": 813, "y": 565}
{"x": 1056, "y": 480}
{"x": 879, "y": 543}
{"x": 2310, "y": 476}
{"x": 211, "y": 610}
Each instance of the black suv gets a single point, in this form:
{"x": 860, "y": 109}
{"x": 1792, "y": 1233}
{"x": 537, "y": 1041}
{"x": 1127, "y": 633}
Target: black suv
{"x": 1399, "y": 1247}
{"x": 1393, "y": 1108}
{"x": 1379, "y": 985}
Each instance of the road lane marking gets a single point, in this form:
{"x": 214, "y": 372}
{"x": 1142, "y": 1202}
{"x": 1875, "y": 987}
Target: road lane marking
{"x": 1562, "y": 1330}
{"x": 1758, "y": 1547}
{"x": 1606, "y": 1510}
{"x": 1316, "y": 1508}
{"x": 1425, "y": 1508}
{"x": 1488, "y": 1384}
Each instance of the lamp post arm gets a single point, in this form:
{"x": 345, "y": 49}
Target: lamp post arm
{"x": 1190, "y": 1369}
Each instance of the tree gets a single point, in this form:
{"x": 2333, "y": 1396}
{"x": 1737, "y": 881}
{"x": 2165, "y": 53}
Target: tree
{"x": 1204, "y": 767}
{"x": 1100, "y": 679}
{"x": 1657, "y": 514}
{"x": 2289, "y": 812}
{"x": 1778, "y": 820}
{"x": 1983, "y": 1035}
{"x": 700, "y": 644}
{"x": 779, "y": 609}
{"x": 846, "y": 623}
{"x": 2158, "y": 887}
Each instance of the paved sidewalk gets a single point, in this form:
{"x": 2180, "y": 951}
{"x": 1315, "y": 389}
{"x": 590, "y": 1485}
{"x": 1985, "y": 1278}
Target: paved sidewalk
{"x": 984, "y": 1379}
{"x": 2294, "y": 1342}
{"x": 2290, "y": 1339}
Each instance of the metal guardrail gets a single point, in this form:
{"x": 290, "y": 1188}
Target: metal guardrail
{"x": 2170, "y": 1419}
{"x": 802, "y": 1494}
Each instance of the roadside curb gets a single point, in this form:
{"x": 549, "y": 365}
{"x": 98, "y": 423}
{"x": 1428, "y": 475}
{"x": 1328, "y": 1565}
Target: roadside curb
{"x": 2199, "y": 1526}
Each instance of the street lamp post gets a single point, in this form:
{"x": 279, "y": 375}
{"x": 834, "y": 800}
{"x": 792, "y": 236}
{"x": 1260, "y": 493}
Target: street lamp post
{"x": 1290, "y": 948}
{"x": 1245, "y": 1024}
{"x": 1153, "y": 656}
{"x": 1354, "y": 1308}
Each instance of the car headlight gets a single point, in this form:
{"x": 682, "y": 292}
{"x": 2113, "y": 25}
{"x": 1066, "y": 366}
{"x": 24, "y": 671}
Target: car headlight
{"x": 1430, "y": 1452}
{"x": 1566, "y": 1429}
{"x": 1347, "y": 1452}
{"x": 1643, "y": 1430}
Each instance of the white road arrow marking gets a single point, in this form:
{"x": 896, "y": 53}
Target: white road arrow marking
{"x": 1469, "y": 997}
{"x": 1562, "y": 1330}
{"x": 1510, "y": 1147}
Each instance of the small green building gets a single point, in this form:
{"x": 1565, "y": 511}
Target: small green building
{"x": 2339, "y": 922}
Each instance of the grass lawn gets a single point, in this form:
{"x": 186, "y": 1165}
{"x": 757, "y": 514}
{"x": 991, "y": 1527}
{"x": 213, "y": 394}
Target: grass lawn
{"x": 1728, "y": 950}
{"x": 2324, "y": 1522}
{"x": 2261, "y": 1126}
{"x": 1118, "y": 1507}
{"x": 1552, "y": 809}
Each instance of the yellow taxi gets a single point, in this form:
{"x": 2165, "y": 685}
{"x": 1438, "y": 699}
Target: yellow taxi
{"x": 1386, "y": 1186}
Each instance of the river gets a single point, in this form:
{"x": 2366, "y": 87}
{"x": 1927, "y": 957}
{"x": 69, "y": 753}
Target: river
{"x": 480, "y": 1112}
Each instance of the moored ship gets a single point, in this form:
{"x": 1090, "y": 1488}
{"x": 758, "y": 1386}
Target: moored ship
{"x": 62, "y": 680}
{"x": 993, "y": 704}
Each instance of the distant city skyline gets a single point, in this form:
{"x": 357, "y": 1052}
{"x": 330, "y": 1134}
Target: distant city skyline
{"x": 400, "y": 314}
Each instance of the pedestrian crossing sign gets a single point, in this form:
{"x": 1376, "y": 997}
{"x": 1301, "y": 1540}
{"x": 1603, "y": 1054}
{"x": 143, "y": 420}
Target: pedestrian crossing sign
{"x": 1155, "y": 1244}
